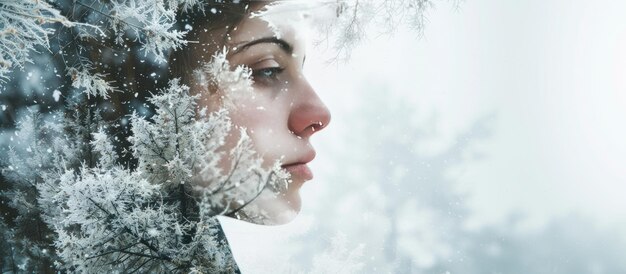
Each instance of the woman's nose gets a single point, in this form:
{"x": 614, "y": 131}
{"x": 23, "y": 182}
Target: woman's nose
{"x": 308, "y": 113}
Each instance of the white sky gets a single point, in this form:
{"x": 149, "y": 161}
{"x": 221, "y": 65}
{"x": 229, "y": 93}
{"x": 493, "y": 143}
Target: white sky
{"x": 551, "y": 75}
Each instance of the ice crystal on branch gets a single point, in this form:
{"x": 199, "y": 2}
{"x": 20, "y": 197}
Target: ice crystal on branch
{"x": 102, "y": 145}
{"x": 151, "y": 23}
{"x": 218, "y": 75}
{"x": 23, "y": 29}
{"x": 93, "y": 84}
{"x": 39, "y": 153}
{"x": 26, "y": 28}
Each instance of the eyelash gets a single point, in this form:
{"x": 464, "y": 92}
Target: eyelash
{"x": 266, "y": 74}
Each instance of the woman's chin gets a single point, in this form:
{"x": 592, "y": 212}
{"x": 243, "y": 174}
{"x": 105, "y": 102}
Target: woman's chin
{"x": 273, "y": 209}
{"x": 291, "y": 204}
{"x": 283, "y": 209}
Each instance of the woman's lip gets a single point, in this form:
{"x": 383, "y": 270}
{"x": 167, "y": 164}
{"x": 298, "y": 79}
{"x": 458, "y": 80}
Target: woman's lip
{"x": 299, "y": 170}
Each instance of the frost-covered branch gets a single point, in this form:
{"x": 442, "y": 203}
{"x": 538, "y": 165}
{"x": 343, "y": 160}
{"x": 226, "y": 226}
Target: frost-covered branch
{"x": 24, "y": 27}
{"x": 150, "y": 22}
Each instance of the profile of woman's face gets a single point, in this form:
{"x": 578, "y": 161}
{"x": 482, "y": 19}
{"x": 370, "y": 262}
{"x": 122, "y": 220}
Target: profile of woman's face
{"x": 283, "y": 111}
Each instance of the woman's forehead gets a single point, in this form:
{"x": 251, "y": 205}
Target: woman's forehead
{"x": 255, "y": 28}
{"x": 250, "y": 28}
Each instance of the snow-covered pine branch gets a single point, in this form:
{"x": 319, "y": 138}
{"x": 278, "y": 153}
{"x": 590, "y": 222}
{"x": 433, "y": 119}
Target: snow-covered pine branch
{"x": 219, "y": 75}
{"x": 115, "y": 220}
{"x": 92, "y": 83}
{"x": 151, "y": 23}
{"x": 24, "y": 27}
{"x": 40, "y": 152}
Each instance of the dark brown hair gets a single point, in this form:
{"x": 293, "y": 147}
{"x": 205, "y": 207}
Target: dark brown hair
{"x": 210, "y": 28}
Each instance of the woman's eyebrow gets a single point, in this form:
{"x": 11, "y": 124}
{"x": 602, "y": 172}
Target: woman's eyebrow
{"x": 284, "y": 45}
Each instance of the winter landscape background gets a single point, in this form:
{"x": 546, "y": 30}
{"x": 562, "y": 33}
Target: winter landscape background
{"x": 492, "y": 144}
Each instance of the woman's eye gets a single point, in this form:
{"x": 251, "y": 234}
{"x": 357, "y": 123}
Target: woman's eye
{"x": 266, "y": 73}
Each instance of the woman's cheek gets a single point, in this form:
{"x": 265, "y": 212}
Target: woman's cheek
{"x": 266, "y": 126}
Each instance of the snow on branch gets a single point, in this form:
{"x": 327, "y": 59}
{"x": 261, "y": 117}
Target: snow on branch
{"x": 92, "y": 84}
{"x": 24, "y": 28}
{"x": 151, "y": 23}
{"x": 217, "y": 75}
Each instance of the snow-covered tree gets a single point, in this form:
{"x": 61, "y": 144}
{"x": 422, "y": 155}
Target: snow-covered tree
{"x": 98, "y": 215}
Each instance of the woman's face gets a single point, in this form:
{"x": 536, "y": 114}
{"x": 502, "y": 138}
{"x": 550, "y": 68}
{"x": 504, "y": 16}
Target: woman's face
{"x": 283, "y": 112}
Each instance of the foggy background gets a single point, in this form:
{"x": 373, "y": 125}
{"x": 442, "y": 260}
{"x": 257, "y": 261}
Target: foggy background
{"x": 493, "y": 143}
